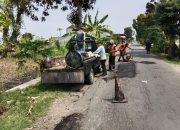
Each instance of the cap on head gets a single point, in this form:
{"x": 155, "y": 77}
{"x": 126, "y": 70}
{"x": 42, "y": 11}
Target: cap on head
{"x": 98, "y": 42}
{"x": 111, "y": 41}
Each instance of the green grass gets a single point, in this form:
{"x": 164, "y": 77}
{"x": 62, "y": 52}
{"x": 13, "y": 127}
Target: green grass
{"x": 16, "y": 117}
{"x": 166, "y": 59}
{"x": 173, "y": 61}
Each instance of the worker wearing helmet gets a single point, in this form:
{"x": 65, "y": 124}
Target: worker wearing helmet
{"x": 122, "y": 50}
{"x": 112, "y": 55}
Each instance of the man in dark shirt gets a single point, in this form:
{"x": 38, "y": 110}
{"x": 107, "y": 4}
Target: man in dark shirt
{"x": 148, "y": 46}
{"x": 80, "y": 40}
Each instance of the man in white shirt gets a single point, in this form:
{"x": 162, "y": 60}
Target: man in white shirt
{"x": 101, "y": 51}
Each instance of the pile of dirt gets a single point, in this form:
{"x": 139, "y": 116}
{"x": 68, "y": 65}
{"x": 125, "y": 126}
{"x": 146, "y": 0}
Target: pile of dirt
{"x": 11, "y": 76}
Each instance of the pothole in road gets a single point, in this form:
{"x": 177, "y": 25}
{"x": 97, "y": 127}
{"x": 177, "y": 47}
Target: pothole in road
{"x": 71, "y": 122}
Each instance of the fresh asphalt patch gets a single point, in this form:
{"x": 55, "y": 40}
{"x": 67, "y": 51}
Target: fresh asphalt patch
{"x": 126, "y": 69}
{"x": 71, "y": 122}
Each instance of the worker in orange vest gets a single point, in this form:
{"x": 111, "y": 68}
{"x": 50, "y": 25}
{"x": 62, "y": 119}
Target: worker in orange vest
{"x": 122, "y": 50}
{"x": 112, "y": 55}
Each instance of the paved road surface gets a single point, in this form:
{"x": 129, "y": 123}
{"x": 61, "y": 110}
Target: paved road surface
{"x": 153, "y": 91}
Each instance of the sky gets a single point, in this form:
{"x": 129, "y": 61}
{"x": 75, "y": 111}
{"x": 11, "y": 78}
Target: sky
{"x": 121, "y": 14}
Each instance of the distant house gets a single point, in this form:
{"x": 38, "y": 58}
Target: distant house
{"x": 62, "y": 40}
{"x": 70, "y": 28}
{"x": 120, "y": 36}
{"x": 65, "y": 38}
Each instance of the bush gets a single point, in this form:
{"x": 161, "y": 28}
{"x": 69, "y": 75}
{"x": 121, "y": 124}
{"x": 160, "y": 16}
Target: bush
{"x": 39, "y": 48}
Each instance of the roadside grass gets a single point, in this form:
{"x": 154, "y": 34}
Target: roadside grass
{"x": 173, "y": 61}
{"x": 166, "y": 59}
{"x": 20, "y": 102}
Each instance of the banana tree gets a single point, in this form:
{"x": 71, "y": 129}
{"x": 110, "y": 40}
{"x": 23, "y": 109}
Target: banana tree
{"x": 96, "y": 28}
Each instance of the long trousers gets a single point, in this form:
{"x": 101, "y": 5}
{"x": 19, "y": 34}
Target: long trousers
{"x": 121, "y": 55}
{"x": 103, "y": 65}
{"x": 111, "y": 62}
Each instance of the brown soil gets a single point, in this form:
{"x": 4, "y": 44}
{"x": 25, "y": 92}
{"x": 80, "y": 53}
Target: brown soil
{"x": 2, "y": 110}
{"x": 10, "y": 76}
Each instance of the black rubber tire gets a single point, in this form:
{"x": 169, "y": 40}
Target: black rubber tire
{"x": 97, "y": 70}
{"x": 74, "y": 59}
{"x": 89, "y": 79}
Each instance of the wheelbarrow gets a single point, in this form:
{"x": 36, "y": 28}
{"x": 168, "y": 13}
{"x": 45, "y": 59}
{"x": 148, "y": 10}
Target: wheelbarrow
{"x": 128, "y": 56}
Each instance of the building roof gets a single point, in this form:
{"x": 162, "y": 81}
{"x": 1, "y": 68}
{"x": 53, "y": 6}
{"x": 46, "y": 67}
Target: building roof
{"x": 71, "y": 26}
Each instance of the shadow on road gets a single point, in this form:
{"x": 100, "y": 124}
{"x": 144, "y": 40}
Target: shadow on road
{"x": 141, "y": 53}
{"x": 59, "y": 87}
{"x": 71, "y": 122}
{"x": 109, "y": 100}
{"x": 145, "y": 62}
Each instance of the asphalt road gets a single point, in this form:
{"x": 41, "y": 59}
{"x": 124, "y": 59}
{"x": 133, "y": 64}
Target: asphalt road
{"x": 152, "y": 88}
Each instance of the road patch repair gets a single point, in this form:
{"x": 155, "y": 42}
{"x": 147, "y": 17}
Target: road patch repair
{"x": 70, "y": 122}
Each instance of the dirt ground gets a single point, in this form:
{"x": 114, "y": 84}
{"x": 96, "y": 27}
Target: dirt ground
{"x": 60, "y": 109}
{"x": 10, "y": 76}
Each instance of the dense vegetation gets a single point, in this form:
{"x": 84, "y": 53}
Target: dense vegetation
{"x": 161, "y": 25}
{"x": 129, "y": 33}
{"x": 12, "y": 12}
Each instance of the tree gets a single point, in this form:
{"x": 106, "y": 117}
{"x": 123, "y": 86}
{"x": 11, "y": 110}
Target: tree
{"x": 29, "y": 7}
{"x": 4, "y": 26}
{"x": 169, "y": 20}
{"x": 76, "y": 7}
{"x": 150, "y": 8}
{"x": 158, "y": 38}
{"x": 129, "y": 34}
{"x": 96, "y": 27}
{"x": 15, "y": 9}
{"x": 140, "y": 25}
{"x": 5, "y": 21}
{"x": 161, "y": 23}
